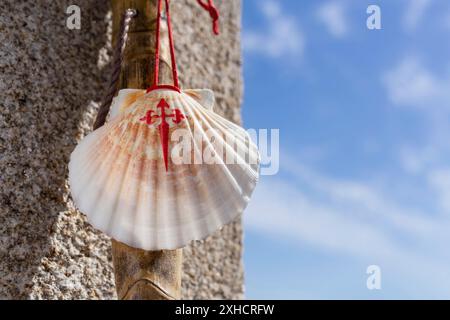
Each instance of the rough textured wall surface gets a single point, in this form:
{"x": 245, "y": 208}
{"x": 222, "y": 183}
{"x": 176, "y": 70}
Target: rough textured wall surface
{"x": 51, "y": 81}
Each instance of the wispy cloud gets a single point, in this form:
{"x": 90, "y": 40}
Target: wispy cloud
{"x": 369, "y": 221}
{"x": 415, "y": 10}
{"x": 332, "y": 16}
{"x": 439, "y": 179}
{"x": 410, "y": 83}
{"x": 417, "y": 88}
{"x": 356, "y": 219}
{"x": 282, "y": 36}
{"x": 416, "y": 160}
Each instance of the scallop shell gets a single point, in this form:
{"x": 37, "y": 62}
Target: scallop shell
{"x": 118, "y": 176}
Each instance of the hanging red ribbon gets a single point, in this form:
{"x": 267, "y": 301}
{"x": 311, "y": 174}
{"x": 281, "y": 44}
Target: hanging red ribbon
{"x": 213, "y": 12}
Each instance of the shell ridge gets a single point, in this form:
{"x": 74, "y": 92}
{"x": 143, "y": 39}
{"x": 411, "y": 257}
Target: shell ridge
{"x": 156, "y": 202}
{"x": 119, "y": 201}
{"x": 140, "y": 203}
{"x": 194, "y": 189}
{"x": 204, "y": 97}
{"x": 177, "y": 195}
{"x": 221, "y": 162}
{"x": 193, "y": 168}
{"x": 105, "y": 163}
{"x": 99, "y": 181}
{"x": 189, "y": 187}
{"x": 79, "y": 161}
{"x": 252, "y": 182}
{"x": 221, "y": 170}
{"x": 83, "y": 154}
{"x": 251, "y": 145}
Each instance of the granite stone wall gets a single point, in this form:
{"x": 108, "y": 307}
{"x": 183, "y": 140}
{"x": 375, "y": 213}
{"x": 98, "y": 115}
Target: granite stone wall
{"x": 51, "y": 82}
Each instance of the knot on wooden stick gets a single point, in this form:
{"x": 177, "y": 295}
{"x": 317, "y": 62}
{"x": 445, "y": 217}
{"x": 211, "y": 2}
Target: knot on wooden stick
{"x": 146, "y": 289}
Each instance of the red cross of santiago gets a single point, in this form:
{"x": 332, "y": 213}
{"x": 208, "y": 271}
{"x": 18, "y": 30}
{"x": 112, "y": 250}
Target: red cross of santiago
{"x": 164, "y": 126}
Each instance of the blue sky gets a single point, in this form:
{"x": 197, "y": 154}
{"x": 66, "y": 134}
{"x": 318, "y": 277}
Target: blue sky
{"x": 364, "y": 148}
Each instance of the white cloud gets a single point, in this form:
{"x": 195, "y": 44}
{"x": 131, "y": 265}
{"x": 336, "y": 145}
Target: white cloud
{"x": 439, "y": 179}
{"x": 416, "y": 162}
{"x": 411, "y": 84}
{"x": 415, "y": 10}
{"x": 332, "y": 15}
{"x": 355, "y": 219}
{"x": 282, "y": 36}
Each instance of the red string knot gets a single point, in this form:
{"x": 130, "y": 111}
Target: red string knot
{"x": 213, "y": 12}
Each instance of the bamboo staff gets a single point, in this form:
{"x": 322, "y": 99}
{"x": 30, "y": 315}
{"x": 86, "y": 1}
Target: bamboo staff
{"x": 140, "y": 274}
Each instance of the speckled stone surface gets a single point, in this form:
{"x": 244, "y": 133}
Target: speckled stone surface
{"x": 51, "y": 81}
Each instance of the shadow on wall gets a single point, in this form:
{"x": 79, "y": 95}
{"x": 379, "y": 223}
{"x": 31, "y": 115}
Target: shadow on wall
{"x": 49, "y": 76}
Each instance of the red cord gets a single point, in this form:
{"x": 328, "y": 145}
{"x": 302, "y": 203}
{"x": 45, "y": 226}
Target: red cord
{"x": 156, "y": 84}
{"x": 158, "y": 28}
{"x": 213, "y": 12}
{"x": 172, "y": 48}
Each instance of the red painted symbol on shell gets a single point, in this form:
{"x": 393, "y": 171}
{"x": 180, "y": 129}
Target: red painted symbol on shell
{"x": 151, "y": 116}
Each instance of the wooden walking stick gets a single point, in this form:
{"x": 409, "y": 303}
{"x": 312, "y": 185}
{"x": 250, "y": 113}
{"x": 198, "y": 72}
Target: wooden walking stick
{"x": 140, "y": 274}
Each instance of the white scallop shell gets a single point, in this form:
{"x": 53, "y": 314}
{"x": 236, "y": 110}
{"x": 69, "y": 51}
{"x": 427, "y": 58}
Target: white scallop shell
{"x": 118, "y": 177}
